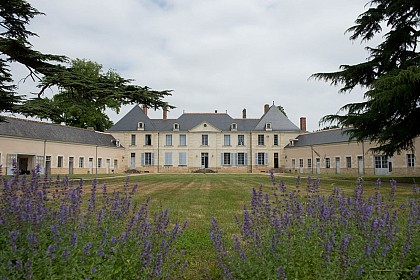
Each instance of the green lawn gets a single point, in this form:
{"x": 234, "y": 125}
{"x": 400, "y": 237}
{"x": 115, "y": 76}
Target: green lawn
{"x": 196, "y": 198}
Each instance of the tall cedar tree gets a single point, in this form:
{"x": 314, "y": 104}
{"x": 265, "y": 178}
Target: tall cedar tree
{"x": 390, "y": 112}
{"x": 106, "y": 90}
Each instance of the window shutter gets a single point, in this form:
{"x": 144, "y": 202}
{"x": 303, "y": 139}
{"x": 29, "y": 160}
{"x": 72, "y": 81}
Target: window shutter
{"x": 39, "y": 161}
{"x": 11, "y": 163}
{"x": 265, "y": 158}
{"x": 142, "y": 159}
{"x": 221, "y": 159}
{"x": 153, "y": 159}
{"x": 233, "y": 158}
{"x": 256, "y": 158}
{"x": 245, "y": 159}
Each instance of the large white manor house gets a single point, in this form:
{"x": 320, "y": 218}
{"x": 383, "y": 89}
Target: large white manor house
{"x": 194, "y": 142}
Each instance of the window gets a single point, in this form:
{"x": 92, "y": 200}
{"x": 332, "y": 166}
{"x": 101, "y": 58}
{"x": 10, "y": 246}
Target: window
{"x": 381, "y": 162}
{"x": 268, "y": 126}
{"x": 182, "y": 158}
{"x": 262, "y": 159}
{"x": 241, "y": 160}
{"x": 226, "y": 159}
{"x": 147, "y": 158}
{"x": 182, "y": 139}
{"x": 168, "y": 140}
{"x": 81, "y": 162}
{"x": 348, "y": 162}
{"x": 226, "y": 141}
{"x": 168, "y": 158}
{"x": 176, "y": 126}
{"x": 241, "y": 140}
{"x": 261, "y": 139}
{"x": 60, "y": 161}
{"x": 293, "y": 163}
{"x": 327, "y": 163}
{"x": 233, "y": 127}
{"x": 301, "y": 162}
{"x": 99, "y": 162}
{"x": 276, "y": 140}
{"x": 140, "y": 126}
{"x": 115, "y": 163}
{"x": 204, "y": 140}
{"x": 148, "y": 140}
{"x": 133, "y": 140}
{"x": 410, "y": 160}
{"x": 309, "y": 163}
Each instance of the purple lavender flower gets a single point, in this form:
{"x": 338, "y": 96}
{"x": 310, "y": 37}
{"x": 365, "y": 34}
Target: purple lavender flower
{"x": 378, "y": 183}
{"x": 87, "y": 248}
{"x": 281, "y": 274}
{"x": 416, "y": 271}
{"x": 73, "y": 240}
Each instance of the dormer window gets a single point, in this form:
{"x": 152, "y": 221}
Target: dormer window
{"x": 176, "y": 127}
{"x": 233, "y": 127}
{"x": 140, "y": 126}
{"x": 268, "y": 126}
{"x": 117, "y": 143}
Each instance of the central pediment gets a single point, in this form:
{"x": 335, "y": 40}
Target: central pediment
{"x": 204, "y": 127}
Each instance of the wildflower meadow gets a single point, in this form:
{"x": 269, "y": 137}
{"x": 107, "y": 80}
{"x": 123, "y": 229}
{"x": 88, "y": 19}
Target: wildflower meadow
{"x": 284, "y": 228}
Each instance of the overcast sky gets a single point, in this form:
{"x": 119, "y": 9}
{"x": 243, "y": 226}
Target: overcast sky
{"x": 223, "y": 55}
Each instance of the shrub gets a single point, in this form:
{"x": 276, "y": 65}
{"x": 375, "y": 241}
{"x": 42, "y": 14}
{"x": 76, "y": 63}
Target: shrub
{"x": 51, "y": 229}
{"x": 319, "y": 237}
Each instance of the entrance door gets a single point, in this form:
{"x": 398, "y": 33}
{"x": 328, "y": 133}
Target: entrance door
{"x": 382, "y": 165}
{"x": 90, "y": 165}
{"x": 204, "y": 160}
{"x": 107, "y": 165}
{"x": 48, "y": 165}
{"x": 360, "y": 165}
{"x": 276, "y": 160}
{"x": 318, "y": 166}
{"x": 23, "y": 165}
{"x": 71, "y": 165}
{"x": 337, "y": 165}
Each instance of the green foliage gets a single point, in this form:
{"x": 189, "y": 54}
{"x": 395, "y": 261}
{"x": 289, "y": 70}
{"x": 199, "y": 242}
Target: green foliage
{"x": 390, "y": 76}
{"x": 85, "y": 92}
{"x": 282, "y": 110}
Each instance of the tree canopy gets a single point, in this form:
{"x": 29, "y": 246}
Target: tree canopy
{"x": 85, "y": 92}
{"x": 390, "y": 112}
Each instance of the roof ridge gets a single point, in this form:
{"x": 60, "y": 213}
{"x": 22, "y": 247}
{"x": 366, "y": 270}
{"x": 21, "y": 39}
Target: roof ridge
{"x": 54, "y": 124}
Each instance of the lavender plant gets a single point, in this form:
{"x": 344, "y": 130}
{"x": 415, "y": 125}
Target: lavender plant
{"x": 49, "y": 230}
{"x": 319, "y": 237}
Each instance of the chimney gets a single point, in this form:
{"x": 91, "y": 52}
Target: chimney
{"x": 244, "y": 113}
{"x": 165, "y": 113}
{"x": 303, "y": 123}
{"x": 266, "y": 108}
{"x": 145, "y": 109}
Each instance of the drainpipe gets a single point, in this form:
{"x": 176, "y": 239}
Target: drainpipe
{"x": 45, "y": 161}
{"x": 250, "y": 149}
{"x": 96, "y": 159}
{"x": 312, "y": 160}
{"x": 158, "y": 150}
{"x": 363, "y": 157}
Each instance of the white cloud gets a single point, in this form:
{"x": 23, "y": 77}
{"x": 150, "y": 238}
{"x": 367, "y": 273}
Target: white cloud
{"x": 220, "y": 54}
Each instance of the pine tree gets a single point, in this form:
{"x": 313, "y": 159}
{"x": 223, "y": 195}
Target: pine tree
{"x": 390, "y": 112}
{"x": 82, "y": 100}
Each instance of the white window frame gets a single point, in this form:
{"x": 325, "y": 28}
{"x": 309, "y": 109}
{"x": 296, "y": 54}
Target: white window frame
{"x": 183, "y": 139}
{"x": 168, "y": 140}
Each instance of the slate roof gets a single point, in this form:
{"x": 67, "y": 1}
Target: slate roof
{"x": 54, "y": 132}
{"x": 321, "y": 137}
{"x": 188, "y": 121}
{"x": 279, "y": 122}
